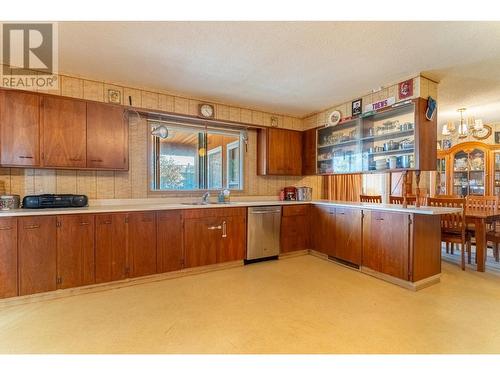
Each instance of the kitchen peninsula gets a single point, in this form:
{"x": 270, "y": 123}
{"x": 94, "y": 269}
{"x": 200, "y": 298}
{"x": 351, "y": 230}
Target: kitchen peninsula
{"x": 114, "y": 243}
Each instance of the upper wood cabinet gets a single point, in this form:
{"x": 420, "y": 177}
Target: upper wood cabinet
{"x": 75, "y": 250}
{"x": 37, "y": 254}
{"x": 107, "y": 137}
{"x": 64, "y": 128}
{"x": 46, "y": 131}
{"x": 19, "y": 129}
{"x": 309, "y": 152}
{"x": 8, "y": 257}
{"x": 279, "y": 152}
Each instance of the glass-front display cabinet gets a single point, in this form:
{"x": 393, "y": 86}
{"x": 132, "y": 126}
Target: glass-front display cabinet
{"x": 496, "y": 173}
{"x": 469, "y": 172}
{"x": 393, "y": 139}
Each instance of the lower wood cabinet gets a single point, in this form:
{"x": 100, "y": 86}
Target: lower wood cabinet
{"x": 142, "y": 243}
{"x": 348, "y": 234}
{"x": 295, "y": 228}
{"x": 111, "y": 247}
{"x": 37, "y": 252}
{"x": 214, "y": 236}
{"x": 8, "y": 257}
{"x": 169, "y": 241}
{"x": 386, "y": 239}
{"x": 323, "y": 229}
{"x": 75, "y": 251}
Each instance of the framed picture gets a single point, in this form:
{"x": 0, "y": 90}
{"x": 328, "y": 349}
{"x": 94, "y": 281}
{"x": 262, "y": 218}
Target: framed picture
{"x": 114, "y": 96}
{"x": 446, "y": 144}
{"x": 405, "y": 89}
{"x": 356, "y": 107}
{"x": 497, "y": 137}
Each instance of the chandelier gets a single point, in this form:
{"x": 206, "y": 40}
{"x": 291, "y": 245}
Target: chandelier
{"x": 465, "y": 125}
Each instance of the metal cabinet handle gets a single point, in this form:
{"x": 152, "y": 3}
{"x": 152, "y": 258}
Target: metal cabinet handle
{"x": 25, "y": 157}
{"x": 379, "y": 218}
{"x": 96, "y": 160}
{"x": 106, "y": 222}
{"x": 215, "y": 227}
{"x": 224, "y": 229}
{"x": 34, "y": 226}
{"x": 75, "y": 159}
{"x": 84, "y": 223}
{"x": 6, "y": 228}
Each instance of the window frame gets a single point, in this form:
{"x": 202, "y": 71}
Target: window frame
{"x": 229, "y": 147}
{"x": 154, "y": 176}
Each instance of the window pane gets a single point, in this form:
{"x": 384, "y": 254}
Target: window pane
{"x": 215, "y": 168}
{"x": 179, "y": 164}
{"x": 233, "y": 165}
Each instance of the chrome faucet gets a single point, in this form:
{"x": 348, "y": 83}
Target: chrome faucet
{"x": 205, "y": 197}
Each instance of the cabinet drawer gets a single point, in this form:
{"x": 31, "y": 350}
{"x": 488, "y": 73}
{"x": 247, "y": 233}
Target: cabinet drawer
{"x": 296, "y": 210}
{"x": 214, "y": 212}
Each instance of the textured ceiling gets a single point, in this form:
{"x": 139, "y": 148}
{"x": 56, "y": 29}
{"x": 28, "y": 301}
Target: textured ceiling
{"x": 288, "y": 67}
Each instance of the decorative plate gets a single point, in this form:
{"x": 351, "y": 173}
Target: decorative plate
{"x": 333, "y": 118}
{"x": 484, "y": 133}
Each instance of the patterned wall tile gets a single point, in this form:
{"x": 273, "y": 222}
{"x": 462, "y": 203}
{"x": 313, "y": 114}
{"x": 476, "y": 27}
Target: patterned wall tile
{"x": 93, "y": 90}
{"x": 105, "y": 184}
{"x": 181, "y": 105}
{"x": 72, "y": 87}
{"x": 166, "y": 103}
{"x": 86, "y": 183}
{"x": 222, "y": 112}
{"x": 66, "y": 182}
{"x": 149, "y": 100}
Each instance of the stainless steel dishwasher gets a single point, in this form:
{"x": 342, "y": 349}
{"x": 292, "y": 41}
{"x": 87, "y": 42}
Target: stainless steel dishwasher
{"x": 263, "y": 235}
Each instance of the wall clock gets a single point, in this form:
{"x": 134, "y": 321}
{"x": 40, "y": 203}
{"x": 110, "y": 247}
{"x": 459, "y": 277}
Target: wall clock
{"x": 333, "y": 118}
{"x": 484, "y": 133}
{"x": 206, "y": 110}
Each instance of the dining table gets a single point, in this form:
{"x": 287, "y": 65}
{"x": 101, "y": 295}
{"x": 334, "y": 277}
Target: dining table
{"x": 481, "y": 218}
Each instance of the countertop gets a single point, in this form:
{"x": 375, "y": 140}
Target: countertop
{"x": 130, "y": 205}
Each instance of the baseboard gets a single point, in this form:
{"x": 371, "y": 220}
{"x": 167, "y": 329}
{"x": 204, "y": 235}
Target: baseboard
{"x": 293, "y": 254}
{"x": 62, "y": 293}
{"x": 410, "y": 285}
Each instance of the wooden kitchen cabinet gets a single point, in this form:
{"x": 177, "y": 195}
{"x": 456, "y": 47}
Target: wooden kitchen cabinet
{"x": 142, "y": 243}
{"x": 386, "y": 243}
{"x": 169, "y": 240}
{"x": 64, "y": 128}
{"x": 19, "y": 129}
{"x": 234, "y": 239}
{"x": 107, "y": 137}
{"x": 279, "y": 152}
{"x": 111, "y": 247}
{"x": 348, "y": 234}
{"x": 37, "y": 254}
{"x": 207, "y": 240}
{"x": 323, "y": 229}
{"x": 295, "y": 228}
{"x": 75, "y": 251}
{"x": 8, "y": 257}
{"x": 309, "y": 152}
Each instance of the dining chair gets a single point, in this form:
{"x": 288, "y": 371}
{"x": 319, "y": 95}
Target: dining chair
{"x": 493, "y": 236}
{"x": 370, "y": 198}
{"x": 453, "y": 226}
{"x": 396, "y": 199}
{"x": 487, "y": 203}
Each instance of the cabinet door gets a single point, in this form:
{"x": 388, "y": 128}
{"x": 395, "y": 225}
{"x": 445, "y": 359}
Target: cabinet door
{"x": 295, "y": 233}
{"x": 107, "y": 137}
{"x": 348, "y": 238}
{"x": 233, "y": 239}
{"x": 64, "y": 124}
{"x": 75, "y": 251}
{"x": 279, "y": 152}
{"x": 20, "y": 129}
{"x": 142, "y": 243}
{"x": 37, "y": 254}
{"x": 309, "y": 152}
{"x": 323, "y": 229}
{"x": 110, "y": 247}
{"x": 386, "y": 243}
{"x": 202, "y": 238}
{"x": 8, "y": 257}
{"x": 170, "y": 255}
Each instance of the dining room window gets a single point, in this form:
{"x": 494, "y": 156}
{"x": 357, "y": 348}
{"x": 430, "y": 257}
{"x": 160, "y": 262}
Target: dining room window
{"x": 195, "y": 158}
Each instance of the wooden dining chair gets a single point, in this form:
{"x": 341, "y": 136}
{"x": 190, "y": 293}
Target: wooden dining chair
{"x": 370, "y": 198}
{"x": 453, "y": 226}
{"x": 396, "y": 199}
{"x": 481, "y": 203}
{"x": 487, "y": 203}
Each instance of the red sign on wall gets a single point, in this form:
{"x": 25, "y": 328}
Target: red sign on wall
{"x": 405, "y": 89}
